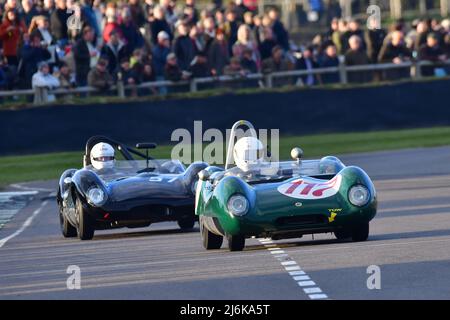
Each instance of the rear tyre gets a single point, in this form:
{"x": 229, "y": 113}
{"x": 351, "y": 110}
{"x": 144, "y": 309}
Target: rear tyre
{"x": 236, "y": 243}
{"x": 67, "y": 230}
{"x": 186, "y": 223}
{"x": 361, "y": 233}
{"x": 210, "y": 240}
{"x": 85, "y": 226}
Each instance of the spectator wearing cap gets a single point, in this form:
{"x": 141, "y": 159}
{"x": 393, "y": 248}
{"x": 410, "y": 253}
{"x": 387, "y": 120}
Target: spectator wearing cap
{"x": 65, "y": 76}
{"x": 43, "y": 79}
{"x": 114, "y": 51}
{"x": 218, "y": 54}
{"x": 431, "y": 51}
{"x": 356, "y": 56}
{"x": 31, "y": 54}
{"x": 11, "y": 31}
{"x": 99, "y": 76}
{"x": 85, "y": 56}
{"x": 58, "y": 22}
{"x": 158, "y": 23}
{"x": 160, "y": 52}
{"x": 183, "y": 47}
{"x": 172, "y": 71}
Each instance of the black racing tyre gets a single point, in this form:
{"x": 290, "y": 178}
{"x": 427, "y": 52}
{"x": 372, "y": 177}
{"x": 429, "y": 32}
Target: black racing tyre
{"x": 210, "y": 240}
{"x": 361, "y": 233}
{"x": 85, "y": 226}
{"x": 236, "y": 243}
{"x": 342, "y": 234}
{"x": 67, "y": 230}
{"x": 186, "y": 223}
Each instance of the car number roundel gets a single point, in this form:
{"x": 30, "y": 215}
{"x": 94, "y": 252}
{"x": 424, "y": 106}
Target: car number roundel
{"x": 311, "y": 189}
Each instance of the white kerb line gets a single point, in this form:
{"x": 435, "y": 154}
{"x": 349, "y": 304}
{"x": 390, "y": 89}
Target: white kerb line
{"x": 26, "y": 224}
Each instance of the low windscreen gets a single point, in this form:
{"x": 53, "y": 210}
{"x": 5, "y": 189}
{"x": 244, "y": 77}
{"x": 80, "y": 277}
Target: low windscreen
{"x": 124, "y": 168}
{"x": 285, "y": 170}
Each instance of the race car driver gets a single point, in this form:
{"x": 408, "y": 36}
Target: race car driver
{"x": 103, "y": 157}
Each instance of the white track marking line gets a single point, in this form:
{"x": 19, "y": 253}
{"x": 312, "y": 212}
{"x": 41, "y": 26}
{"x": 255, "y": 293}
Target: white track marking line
{"x": 24, "y": 225}
{"x": 288, "y": 263}
{"x": 277, "y": 252}
{"x": 318, "y": 296}
{"x": 312, "y": 290}
{"x": 297, "y": 273}
{"x": 303, "y": 280}
{"x": 292, "y": 268}
{"x": 309, "y": 283}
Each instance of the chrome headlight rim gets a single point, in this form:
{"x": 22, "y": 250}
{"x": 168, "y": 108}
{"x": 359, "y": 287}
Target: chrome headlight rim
{"x": 238, "y": 205}
{"x": 96, "y": 200}
{"x": 353, "y": 199}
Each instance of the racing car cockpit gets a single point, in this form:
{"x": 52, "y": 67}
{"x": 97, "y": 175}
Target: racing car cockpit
{"x": 247, "y": 158}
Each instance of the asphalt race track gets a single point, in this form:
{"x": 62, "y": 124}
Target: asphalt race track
{"x": 410, "y": 241}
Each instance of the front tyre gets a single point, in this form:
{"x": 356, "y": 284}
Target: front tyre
{"x": 85, "y": 226}
{"x": 361, "y": 233}
{"x": 236, "y": 243}
{"x": 186, "y": 223}
{"x": 210, "y": 240}
{"x": 343, "y": 234}
{"x": 67, "y": 230}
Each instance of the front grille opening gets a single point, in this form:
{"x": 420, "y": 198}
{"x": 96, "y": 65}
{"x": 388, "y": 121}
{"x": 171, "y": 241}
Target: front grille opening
{"x": 302, "y": 220}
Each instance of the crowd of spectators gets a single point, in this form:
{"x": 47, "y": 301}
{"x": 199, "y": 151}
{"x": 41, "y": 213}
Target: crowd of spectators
{"x": 69, "y": 43}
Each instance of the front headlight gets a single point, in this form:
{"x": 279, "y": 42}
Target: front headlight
{"x": 359, "y": 195}
{"x": 238, "y": 205}
{"x": 96, "y": 196}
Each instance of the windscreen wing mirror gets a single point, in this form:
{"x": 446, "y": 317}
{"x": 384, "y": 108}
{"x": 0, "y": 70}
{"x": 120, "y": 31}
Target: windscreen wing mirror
{"x": 146, "y": 145}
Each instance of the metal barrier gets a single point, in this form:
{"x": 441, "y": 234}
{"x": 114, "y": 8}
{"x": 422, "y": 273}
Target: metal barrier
{"x": 41, "y": 94}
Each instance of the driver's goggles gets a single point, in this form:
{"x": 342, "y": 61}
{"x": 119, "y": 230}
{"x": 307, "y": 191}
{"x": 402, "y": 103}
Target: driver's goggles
{"x": 104, "y": 159}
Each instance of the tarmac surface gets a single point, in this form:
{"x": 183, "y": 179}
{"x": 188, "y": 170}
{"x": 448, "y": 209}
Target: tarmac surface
{"x": 408, "y": 248}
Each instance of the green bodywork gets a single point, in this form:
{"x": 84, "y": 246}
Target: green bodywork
{"x": 273, "y": 214}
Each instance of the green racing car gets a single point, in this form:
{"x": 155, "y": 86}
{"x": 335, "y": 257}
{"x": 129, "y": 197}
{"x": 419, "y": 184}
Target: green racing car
{"x": 255, "y": 197}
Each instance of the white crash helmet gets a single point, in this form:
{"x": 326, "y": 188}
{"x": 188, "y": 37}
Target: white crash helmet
{"x": 102, "y": 156}
{"x": 248, "y": 153}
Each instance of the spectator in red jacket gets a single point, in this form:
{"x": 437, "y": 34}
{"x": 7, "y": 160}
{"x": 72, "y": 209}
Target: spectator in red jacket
{"x": 11, "y": 31}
